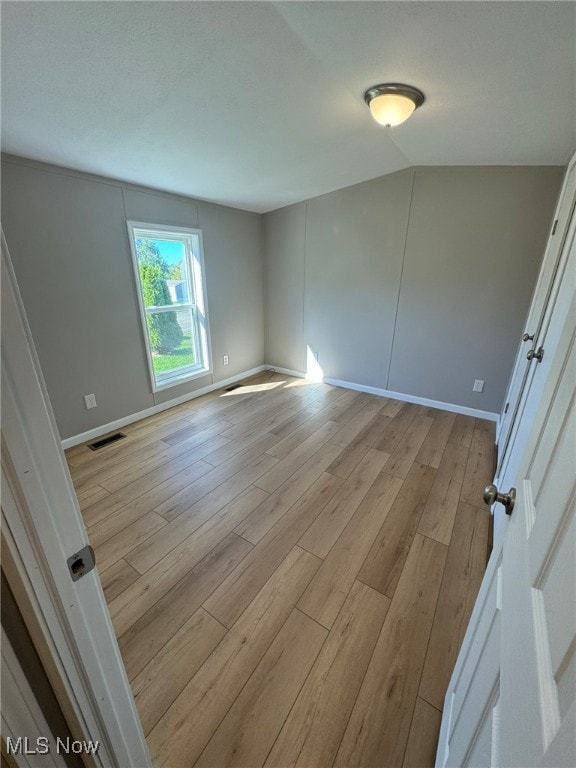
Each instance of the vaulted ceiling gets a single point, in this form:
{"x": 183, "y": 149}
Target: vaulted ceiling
{"x": 260, "y": 104}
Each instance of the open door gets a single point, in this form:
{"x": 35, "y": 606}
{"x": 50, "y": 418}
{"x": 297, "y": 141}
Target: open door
{"x": 41, "y": 529}
{"x": 512, "y": 697}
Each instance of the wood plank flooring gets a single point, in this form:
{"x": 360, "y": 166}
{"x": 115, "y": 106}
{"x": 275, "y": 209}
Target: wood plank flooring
{"x": 290, "y": 568}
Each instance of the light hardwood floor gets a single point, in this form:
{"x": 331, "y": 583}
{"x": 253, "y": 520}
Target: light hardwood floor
{"x": 290, "y": 568}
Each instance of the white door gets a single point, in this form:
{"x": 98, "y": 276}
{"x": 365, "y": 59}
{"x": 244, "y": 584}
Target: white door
{"x": 511, "y": 699}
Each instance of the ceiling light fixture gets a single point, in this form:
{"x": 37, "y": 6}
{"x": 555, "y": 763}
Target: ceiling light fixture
{"x": 393, "y": 103}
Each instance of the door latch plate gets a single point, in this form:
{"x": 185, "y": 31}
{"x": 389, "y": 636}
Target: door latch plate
{"x": 81, "y": 563}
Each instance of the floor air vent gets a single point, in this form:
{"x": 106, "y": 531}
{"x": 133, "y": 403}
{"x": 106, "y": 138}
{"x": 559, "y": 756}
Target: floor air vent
{"x": 106, "y": 441}
{"x": 232, "y": 387}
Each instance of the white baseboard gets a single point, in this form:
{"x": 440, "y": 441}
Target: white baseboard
{"x": 287, "y": 371}
{"x": 453, "y": 408}
{"x": 70, "y": 442}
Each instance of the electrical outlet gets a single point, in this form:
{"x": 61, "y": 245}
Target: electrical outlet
{"x": 225, "y": 360}
{"x": 478, "y": 385}
{"x": 90, "y": 401}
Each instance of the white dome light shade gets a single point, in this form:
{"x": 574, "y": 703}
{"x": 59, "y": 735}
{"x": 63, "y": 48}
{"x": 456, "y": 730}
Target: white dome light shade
{"x": 391, "y": 109}
{"x": 392, "y": 104}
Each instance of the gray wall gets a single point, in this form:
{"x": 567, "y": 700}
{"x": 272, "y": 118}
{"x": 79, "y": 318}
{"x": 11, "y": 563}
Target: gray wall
{"x": 417, "y": 282}
{"x": 67, "y": 237}
{"x": 284, "y": 241}
{"x": 354, "y": 248}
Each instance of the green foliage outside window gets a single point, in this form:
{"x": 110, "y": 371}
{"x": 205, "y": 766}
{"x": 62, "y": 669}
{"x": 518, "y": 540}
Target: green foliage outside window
{"x": 164, "y": 331}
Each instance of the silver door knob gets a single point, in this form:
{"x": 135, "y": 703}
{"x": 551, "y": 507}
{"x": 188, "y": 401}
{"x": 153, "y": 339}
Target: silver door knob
{"x": 527, "y": 337}
{"x": 492, "y": 495}
{"x": 536, "y": 354}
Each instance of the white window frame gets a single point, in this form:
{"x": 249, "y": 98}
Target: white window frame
{"x": 198, "y": 303}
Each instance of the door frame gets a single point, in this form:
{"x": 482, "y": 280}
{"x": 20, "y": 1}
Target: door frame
{"x": 537, "y": 392}
{"x": 500, "y": 644}
{"x": 42, "y": 527}
{"x": 543, "y": 294}
{"x": 508, "y": 432}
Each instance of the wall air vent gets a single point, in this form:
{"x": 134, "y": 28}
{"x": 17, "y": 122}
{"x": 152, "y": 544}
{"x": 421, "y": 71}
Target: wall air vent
{"x": 106, "y": 441}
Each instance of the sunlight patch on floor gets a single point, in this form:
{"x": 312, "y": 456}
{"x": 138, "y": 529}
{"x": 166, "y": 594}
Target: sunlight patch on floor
{"x": 247, "y": 389}
{"x": 298, "y": 383}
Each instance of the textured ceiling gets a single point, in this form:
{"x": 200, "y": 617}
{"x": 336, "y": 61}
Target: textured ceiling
{"x": 259, "y": 104}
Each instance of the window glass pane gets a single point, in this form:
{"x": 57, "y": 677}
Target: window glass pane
{"x": 172, "y": 340}
{"x": 163, "y": 273}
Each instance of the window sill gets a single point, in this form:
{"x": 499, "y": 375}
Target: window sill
{"x": 174, "y": 381}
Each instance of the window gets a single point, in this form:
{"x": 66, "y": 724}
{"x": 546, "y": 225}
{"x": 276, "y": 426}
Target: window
{"x": 170, "y": 277}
